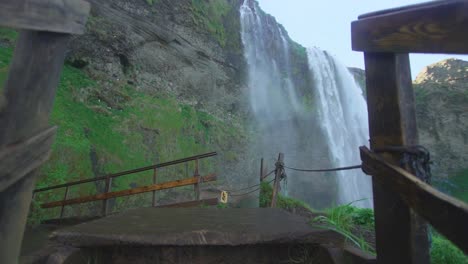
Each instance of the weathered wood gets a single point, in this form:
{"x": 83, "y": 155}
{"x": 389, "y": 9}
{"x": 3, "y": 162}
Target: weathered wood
{"x": 155, "y": 177}
{"x": 29, "y": 92}
{"x": 210, "y": 201}
{"x": 61, "y": 16}
{"x": 392, "y": 122}
{"x": 65, "y": 197}
{"x": 115, "y": 175}
{"x": 276, "y": 183}
{"x": 143, "y": 189}
{"x": 19, "y": 159}
{"x": 440, "y": 27}
{"x": 447, "y": 215}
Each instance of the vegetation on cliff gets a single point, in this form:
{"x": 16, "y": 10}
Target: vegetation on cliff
{"x": 104, "y": 130}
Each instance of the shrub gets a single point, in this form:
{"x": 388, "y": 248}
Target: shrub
{"x": 444, "y": 252}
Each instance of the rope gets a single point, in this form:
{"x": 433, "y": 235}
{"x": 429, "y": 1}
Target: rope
{"x": 324, "y": 170}
{"x": 242, "y": 194}
{"x": 242, "y": 189}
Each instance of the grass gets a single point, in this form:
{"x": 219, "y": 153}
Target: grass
{"x": 350, "y": 222}
{"x": 353, "y": 223}
{"x": 444, "y": 252}
{"x": 211, "y": 14}
{"x": 283, "y": 202}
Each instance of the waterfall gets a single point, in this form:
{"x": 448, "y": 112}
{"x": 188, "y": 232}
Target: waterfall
{"x": 317, "y": 117}
{"x": 343, "y": 118}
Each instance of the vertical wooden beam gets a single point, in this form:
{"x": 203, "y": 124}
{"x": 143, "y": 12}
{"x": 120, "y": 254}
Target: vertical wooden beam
{"x": 261, "y": 170}
{"x": 105, "y": 202}
{"x": 29, "y": 92}
{"x": 155, "y": 177}
{"x": 65, "y": 196}
{"x": 276, "y": 184}
{"x": 400, "y": 236}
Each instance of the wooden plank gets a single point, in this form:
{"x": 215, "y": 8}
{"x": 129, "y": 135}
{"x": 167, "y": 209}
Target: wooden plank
{"x": 210, "y": 201}
{"x": 276, "y": 183}
{"x": 447, "y": 215}
{"x": 435, "y": 28}
{"x": 29, "y": 92}
{"x": 62, "y": 16}
{"x": 143, "y": 189}
{"x": 19, "y": 159}
{"x": 122, "y": 173}
{"x": 392, "y": 122}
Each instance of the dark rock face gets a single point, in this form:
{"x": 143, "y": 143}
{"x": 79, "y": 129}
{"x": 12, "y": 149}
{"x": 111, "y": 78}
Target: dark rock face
{"x": 360, "y": 77}
{"x": 441, "y": 95}
{"x": 161, "y": 47}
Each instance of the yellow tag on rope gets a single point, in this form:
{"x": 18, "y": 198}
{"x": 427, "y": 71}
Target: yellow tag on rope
{"x": 224, "y": 197}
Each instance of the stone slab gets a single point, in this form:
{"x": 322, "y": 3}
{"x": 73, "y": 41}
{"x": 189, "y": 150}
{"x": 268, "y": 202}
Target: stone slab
{"x": 195, "y": 227}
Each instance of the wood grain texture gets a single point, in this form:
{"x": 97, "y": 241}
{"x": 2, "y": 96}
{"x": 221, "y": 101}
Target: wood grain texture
{"x": 392, "y": 122}
{"x": 61, "y": 16}
{"x": 432, "y": 28}
{"x": 29, "y": 92}
{"x": 447, "y": 215}
{"x": 19, "y": 159}
{"x": 138, "y": 190}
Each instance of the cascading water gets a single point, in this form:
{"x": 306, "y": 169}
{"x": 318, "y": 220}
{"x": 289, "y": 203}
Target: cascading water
{"x": 286, "y": 116}
{"x": 343, "y": 116}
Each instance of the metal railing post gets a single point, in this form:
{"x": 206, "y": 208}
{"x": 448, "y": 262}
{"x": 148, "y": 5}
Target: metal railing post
{"x": 64, "y": 199}
{"x": 196, "y": 186}
{"x": 155, "y": 176}
{"x": 105, "y": 201}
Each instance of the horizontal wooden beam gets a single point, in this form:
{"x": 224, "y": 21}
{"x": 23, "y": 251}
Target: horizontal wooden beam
{"x": 447, "y": 215}
{"x": 62, "y": 16}
{"x": 21, "y": 158}
{"x": 435, "y": 27}
{"x": 138, "y": 190}
{"x": 211, "y": 201}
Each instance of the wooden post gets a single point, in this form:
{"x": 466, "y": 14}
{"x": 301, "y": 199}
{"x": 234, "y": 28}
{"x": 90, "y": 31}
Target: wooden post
{"x": 65, "y": 196}
{"x": 196, "y": 186}
{"x": 29, "y": 93}
{"x": 105, "y": 204}
{"x": 276, "y": 184}
{"x": 400, "y": 236}
{"x": 155, "y": 177}
{"x": 261, "y": 169}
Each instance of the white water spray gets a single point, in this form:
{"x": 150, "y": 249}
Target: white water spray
{"x": 343, "y": 115}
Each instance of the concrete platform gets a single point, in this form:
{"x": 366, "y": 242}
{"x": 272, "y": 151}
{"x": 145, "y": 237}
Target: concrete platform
{"x": 195, "y": 227}
{"x": 200, "y": 236}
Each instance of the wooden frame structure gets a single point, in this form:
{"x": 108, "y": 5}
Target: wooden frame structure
{"x": 402, "y": 202}
{"x": 25, "y": 135}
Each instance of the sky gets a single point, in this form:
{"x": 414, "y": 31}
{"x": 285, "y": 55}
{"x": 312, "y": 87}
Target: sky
{"x": 327, "y": 25}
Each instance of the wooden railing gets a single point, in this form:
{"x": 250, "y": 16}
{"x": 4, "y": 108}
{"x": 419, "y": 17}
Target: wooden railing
{"x": 108, "y": 193}
{"x": 402, "y": 202}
